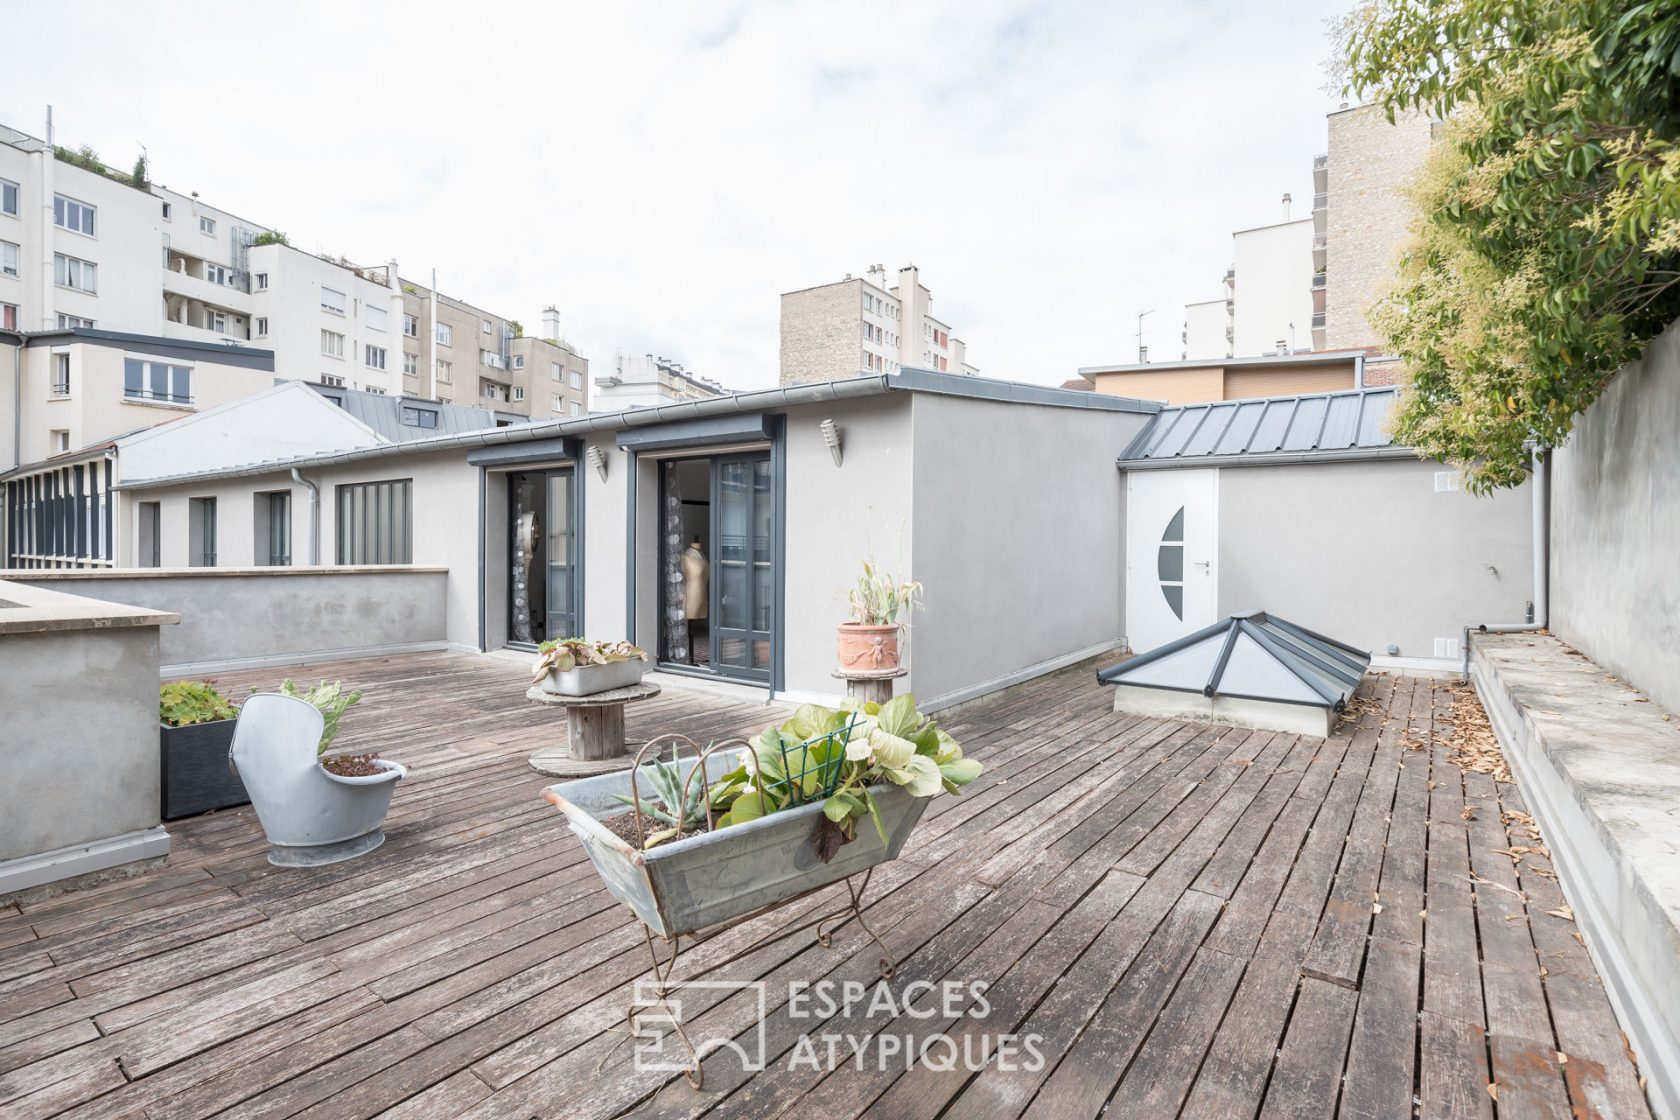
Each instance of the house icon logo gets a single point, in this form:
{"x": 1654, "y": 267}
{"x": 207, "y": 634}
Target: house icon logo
{"x": 664, "y": 1038}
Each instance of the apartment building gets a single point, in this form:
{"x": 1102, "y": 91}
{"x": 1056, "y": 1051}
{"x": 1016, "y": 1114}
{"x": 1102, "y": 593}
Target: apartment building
{"x": 863, "y": 325}
{"x": 85, "y": 246}
{"x": 1309, "y": 284}
{"x": 645, "y": 381}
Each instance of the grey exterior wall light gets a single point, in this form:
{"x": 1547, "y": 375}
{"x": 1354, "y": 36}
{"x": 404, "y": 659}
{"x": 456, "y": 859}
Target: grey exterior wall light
{"x": 831, "y": 436}
{"x": 597, "y": 459}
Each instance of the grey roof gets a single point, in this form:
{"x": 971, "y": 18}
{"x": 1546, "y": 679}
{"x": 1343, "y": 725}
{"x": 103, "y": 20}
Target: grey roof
{"x": 1348, "y": 424}
{"x": 1253, "y": 656}
{"x": 786, "y": 396}
{"x": 384, "y": 414}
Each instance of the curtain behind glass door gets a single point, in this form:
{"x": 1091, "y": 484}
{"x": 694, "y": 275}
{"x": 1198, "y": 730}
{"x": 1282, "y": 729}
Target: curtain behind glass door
{"x": 561, "y": 548}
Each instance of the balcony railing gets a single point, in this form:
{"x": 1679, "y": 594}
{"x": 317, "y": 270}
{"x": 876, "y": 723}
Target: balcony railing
{"x": 1318, "y": 281}
{"x": 1321, "y": 161}
{"x": 1318, "y": 320}
{"x": 1321, "y": 240}
{"x": 149, "y": 395}
{"x": 1321, "y": 199}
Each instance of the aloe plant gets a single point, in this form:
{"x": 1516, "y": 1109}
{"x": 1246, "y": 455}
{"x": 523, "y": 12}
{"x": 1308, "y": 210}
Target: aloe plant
{"x": 677, "y": 804}
{"x": 878, "y": 598}
{"x": 330, "y": 699}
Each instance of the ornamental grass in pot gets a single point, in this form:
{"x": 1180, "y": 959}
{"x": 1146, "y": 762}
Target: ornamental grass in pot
{"x": 880, "y": 606}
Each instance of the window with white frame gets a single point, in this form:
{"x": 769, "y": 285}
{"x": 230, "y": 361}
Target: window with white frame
{"x": 490, "y": 358}
{"x": 519, "y": 361}
{"x": 554, "y": 370}
{"x": 374, "y": 389}
{"x": 445, "y": 334}
{"x": 332, "y": 380}
{"x": 374, "y": 356}
{"x": 72, "y": 215}
{"x": 207, "y": 224}
{"x": 73, "y": 272}
{"x": 577, "y": 408}
{"x": 518, "y": 392}
{"x": 575, "y": 380}
{"x": 215, "y": 320}
{"x": 8, "y": 259}
{"x": 60, "y": 438}
{"x": 411, "y": 326}
{"x": 557, "y": 403}
{"x": 262, "y": 281}
{"x": 73, "y": 322}
{"x": 411, "y": 364}
{"x": 332, "y": 300}
{"x": 262, "y": 326}
{"x": 61, "y": 374}
{"x": 8, "y": 197}
{"x": 378, "y": 318}
{"x": 9, "y": 316}
{"x": 486, "y": 326}
{"x": 215, "y": 273}
{"x": 445, "y": 372}
{"x": 168, "y": 212}
{"x": 146, "y": 379}
{"x": 332, "y": 344}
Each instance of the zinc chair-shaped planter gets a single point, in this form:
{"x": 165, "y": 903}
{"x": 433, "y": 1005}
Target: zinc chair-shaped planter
{"x": 310, "y": 816}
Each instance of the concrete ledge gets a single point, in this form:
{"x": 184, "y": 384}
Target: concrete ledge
{"x": 55, "y": 575}
{"x": 308, "y": 657}
{"x": 37, "y": 610}
{"x": 1600, "y": 768}
{"x": 26, "y": 872}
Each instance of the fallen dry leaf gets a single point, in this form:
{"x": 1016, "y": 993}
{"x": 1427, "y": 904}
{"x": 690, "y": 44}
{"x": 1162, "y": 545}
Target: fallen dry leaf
{"x": 1493, "y": 1090}
{"x": 1563, "y": 912}
{"x": 1563, "y": 1059}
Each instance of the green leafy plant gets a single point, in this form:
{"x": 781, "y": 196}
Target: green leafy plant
{"x": 678, "y": 804}
{"x": 565, "y": 654}
{"x": 837, "y": 756}
{"x": 878, "y": 598}
{"x": 139, "y": 176}
{"x": 183, "y": 703}
{"x": 330, "y": 699}
{"x": 271, "y": 237}
{"x": 1547, "y": 247}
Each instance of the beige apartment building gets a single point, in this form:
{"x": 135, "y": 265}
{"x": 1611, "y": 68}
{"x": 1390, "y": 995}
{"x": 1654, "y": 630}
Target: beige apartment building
{"x": 861, "y": 325}
{"x": 454, "y": 351}
{"x": 1231, "y": 379}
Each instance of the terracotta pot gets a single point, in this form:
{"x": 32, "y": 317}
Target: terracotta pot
{"x": 865, "y": 648}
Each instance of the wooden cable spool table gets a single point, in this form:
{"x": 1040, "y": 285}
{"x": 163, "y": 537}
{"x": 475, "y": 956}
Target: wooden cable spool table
{"x": 594, "y": 731}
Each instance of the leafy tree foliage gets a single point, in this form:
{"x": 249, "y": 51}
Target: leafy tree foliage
{"x": 1547, "y": 248}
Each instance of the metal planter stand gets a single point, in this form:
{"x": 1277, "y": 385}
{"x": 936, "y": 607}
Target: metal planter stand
{"x": 691, "y": 889}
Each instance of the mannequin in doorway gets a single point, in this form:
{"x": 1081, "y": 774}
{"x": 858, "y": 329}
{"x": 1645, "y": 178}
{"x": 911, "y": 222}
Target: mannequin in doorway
{"x": 696, "y": 573}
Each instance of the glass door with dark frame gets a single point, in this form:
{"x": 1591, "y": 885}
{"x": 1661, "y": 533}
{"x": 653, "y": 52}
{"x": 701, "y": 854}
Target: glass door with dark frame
{"x": 743, "y": 585}
{"x": 542, "y": 557}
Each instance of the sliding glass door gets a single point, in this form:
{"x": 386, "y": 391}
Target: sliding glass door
{"x": 542, "y": 557}
{"x": 743, "y": 588}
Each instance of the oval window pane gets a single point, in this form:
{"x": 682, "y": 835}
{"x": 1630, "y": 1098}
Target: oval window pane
{"x": 1175, "y": 600}
{"x": 1170, "y": 565}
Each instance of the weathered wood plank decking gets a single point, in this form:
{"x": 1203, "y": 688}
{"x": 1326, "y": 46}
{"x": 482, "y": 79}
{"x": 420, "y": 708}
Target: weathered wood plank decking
{"x": 1194, "y": 921}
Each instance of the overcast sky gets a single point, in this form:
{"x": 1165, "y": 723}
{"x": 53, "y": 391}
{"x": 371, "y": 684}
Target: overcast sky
{"x": 662, "y": 172}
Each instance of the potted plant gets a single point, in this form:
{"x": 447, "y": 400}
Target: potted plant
{"x": 868, "y": 643}
{"x": 777, "y": 817}
{"x": 195, "y": 731}
{"x": 580, "y": 667}
{"x": 314, "y": 808}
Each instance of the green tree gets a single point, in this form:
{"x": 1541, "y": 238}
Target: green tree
{"x": 271, "y": 237}
{"x": 1547, "y": 248}
{"x": 140, "y": 178}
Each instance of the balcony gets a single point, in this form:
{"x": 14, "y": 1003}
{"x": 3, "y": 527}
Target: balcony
{"x": 1318, "y": 320}
{"x": 1318, "y": 281}
{"x": 1321, "y": 199}
{"x": 1321, "y": 162}
{"x": 205, "y": 291}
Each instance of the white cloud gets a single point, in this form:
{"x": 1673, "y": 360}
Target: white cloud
{"x": 663, "y": 171}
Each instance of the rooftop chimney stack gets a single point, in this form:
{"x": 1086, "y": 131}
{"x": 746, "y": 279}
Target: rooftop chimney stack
{"x": 551, "y": 323}
{"x": 1287, "y": 199}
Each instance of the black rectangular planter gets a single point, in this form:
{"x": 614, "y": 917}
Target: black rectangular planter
{"x": 196, "y": 775}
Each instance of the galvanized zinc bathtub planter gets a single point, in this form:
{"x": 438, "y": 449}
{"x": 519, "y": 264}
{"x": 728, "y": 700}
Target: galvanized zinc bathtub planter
{"x": 684, "y": 886}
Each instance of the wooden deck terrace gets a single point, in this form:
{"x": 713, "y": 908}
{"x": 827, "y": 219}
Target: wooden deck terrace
{"x": 1191, "y": 921}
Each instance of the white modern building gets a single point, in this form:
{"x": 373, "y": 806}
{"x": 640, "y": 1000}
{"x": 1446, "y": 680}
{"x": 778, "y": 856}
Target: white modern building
{"x": 645, "y": 381}
{"x": 1268, "y": 304}
{"x": 85, "y": 246}
{"x": 863, "y": 325}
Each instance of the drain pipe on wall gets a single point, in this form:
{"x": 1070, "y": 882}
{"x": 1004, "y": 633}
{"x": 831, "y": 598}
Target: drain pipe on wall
{"x": 1538, "y": 609}
{"x": 314, "y": 516}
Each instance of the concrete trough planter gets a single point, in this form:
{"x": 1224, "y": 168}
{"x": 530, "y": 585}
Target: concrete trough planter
{"x": 686, "y": 885}
{"x": 587, "y": 680}
{"x": 195, "y": 773}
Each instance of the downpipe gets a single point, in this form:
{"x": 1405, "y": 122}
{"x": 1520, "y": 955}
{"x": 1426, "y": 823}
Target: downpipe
{"x": 314, "y": 516}
{"x": 1539, "y": 608}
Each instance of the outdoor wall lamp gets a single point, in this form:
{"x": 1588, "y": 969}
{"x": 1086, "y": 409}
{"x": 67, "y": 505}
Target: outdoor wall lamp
{"x": 831, "y": 436}
{"x": 597, "y": 459}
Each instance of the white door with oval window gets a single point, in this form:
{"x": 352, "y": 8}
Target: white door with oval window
{"x": 1172, "y": 546}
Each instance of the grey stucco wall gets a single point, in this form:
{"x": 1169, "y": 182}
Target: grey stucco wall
{"x": 79, "y": 747}
{"x": 1370, "y": 553}
{"x": 1018, "y": 537}
{"x": 273, "y": 613}
{"x": 1615, "y": 564}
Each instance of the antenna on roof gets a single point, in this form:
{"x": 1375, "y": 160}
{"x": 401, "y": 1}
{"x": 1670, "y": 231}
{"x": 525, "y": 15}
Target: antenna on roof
{"x": 1143, "y": 351}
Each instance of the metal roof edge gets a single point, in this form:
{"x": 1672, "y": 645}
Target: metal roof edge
{"x": 1270, "y": 458}
{"x": 1017, "y": 392}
